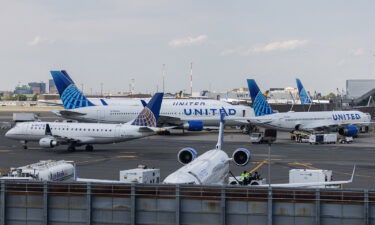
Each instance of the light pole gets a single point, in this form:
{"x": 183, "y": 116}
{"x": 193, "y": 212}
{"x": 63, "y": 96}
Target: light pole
{"x": 269, "y": 164}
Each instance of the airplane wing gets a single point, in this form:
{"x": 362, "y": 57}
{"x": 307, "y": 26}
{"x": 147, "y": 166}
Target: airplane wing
{"x": 322, "y": 124}
{"x": 67, "y": 139}
{"x": 51, "y": 103}
{"x": 88, "y": 180}
{"x": 155, "y": 129}
{"x": 70, "y": 113}
{"x": 170, "y": 120}
{"x": 313, "y": 184}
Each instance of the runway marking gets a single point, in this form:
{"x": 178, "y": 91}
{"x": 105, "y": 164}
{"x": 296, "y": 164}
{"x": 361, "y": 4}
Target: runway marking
{"x": 309, "y": 165}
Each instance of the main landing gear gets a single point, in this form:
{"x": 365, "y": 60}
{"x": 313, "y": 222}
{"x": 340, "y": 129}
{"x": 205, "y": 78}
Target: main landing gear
{"x": 89, "y": 148}
{"x": 71, "y": 148}
{"x": 24, "y": 144}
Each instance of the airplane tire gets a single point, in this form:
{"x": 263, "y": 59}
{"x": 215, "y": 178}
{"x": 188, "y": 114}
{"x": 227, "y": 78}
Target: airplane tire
{"x": 25, "y": 147}
{"x": 89, "y": 148}
{"x": 71, "y": 148}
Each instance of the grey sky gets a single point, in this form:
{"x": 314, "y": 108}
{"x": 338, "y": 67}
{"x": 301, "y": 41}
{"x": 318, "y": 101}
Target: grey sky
{"x": 322, "y": 42}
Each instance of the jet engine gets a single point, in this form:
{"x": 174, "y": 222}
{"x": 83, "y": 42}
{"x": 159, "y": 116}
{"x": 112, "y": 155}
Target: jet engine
{"x": 186, "y": 155}
{"x": 47, "y": 142}
{"x": 194, "y": 125}
{"x": 349, "y": 131}
{"x": 241, "y": 156}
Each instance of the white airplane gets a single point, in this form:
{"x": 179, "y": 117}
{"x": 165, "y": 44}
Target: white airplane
{"x": 345, "y": 121}
{"x": 210, "y": 168}
{"x": 51, "y": 134}
{"x": 190, "y": 114}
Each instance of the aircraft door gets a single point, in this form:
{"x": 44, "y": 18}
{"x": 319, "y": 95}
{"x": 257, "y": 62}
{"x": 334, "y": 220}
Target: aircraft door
{"x": 120, "y": 132}
{"x": 26, "y": 128}
{"x": 100, "y": 115}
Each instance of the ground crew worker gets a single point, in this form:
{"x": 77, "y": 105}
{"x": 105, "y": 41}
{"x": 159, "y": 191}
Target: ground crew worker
{"x": 256, "y": 176}
{"x": 244, "y": 177}
{"x": 250, "y": 178}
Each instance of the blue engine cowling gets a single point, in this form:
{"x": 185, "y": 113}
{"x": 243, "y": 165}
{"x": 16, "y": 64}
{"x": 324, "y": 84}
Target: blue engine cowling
{"x": 349, "y": 131}
{"x": 241, "y": 156}
{"x": 186, "y": 155}
{"x": 194, "y": 125}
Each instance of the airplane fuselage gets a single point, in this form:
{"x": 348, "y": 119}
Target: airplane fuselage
{"x": 212, "y": 167}
{"x": 175, "y": 110}
{"x": 81, "y": 133}
{"x": 290, "y": 121}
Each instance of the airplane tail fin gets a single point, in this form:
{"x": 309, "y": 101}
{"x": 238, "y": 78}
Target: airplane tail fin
{"x": 303, "y": 96}
{"x": 150, "y": 113}
{"x": 70, "y": 95}
{"x": 260, "y": 104}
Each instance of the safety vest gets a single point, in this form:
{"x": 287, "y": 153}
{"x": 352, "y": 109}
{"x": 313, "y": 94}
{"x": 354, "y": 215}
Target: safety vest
{"x": 244, "y": 175}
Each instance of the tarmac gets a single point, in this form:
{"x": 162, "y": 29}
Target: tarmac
{"x": 160, "y": 151}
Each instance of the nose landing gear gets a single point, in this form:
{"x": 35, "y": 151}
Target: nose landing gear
{"x": 89, "y": 148}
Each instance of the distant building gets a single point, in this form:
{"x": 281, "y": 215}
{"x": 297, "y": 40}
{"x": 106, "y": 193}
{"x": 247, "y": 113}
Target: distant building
{"x": 283, "y": 95}
{"x": 23, "y": 90}
{"x": 358, "y": 87}
{"x": 38, "y": 87}
{"x": 52, "y": 87}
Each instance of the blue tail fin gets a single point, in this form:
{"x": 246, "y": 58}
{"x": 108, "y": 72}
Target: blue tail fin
{"x": 70, "y": 95}
{"x": 303, "y": 96}
{"x": 150, "y": 113}
{"x": 260, "y": 104}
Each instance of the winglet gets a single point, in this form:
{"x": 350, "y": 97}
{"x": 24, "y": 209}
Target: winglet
{"x": 220, "y": 139}
{"x": 260, "y": 104}
{"x": 70, "y": 95}
{"x": 144, "y": 103}
{"x": 150, "y": 113}
{"x": 351, "y": 179}
{"x": 103, "y": 102}
{"x": 304, "y": 97}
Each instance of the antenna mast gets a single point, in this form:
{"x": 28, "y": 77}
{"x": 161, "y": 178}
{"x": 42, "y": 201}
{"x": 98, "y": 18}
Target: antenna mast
{"x": 191, "y": 79}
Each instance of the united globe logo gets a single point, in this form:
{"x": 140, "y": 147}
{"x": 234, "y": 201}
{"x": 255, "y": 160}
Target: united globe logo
{"x": 145, "y": 118}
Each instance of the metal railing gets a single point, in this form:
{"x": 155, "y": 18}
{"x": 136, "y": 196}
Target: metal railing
{"x": 175, "y": 204}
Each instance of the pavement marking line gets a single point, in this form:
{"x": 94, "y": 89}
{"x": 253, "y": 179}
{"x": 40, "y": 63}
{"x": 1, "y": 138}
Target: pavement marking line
{"x": 4, "y": 150}
{"x": 309, "y": 165}
{"x": 260, "y": 164}
{"x": 125, "y": 156}
{"x": 105, "y": 159}
{"x": 4, "y": 171}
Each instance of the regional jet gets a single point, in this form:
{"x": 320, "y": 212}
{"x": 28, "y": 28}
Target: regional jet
{"x": 51, "y": 134}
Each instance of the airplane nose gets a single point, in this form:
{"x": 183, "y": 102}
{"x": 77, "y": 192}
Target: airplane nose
{"x": 9, "y": 133}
